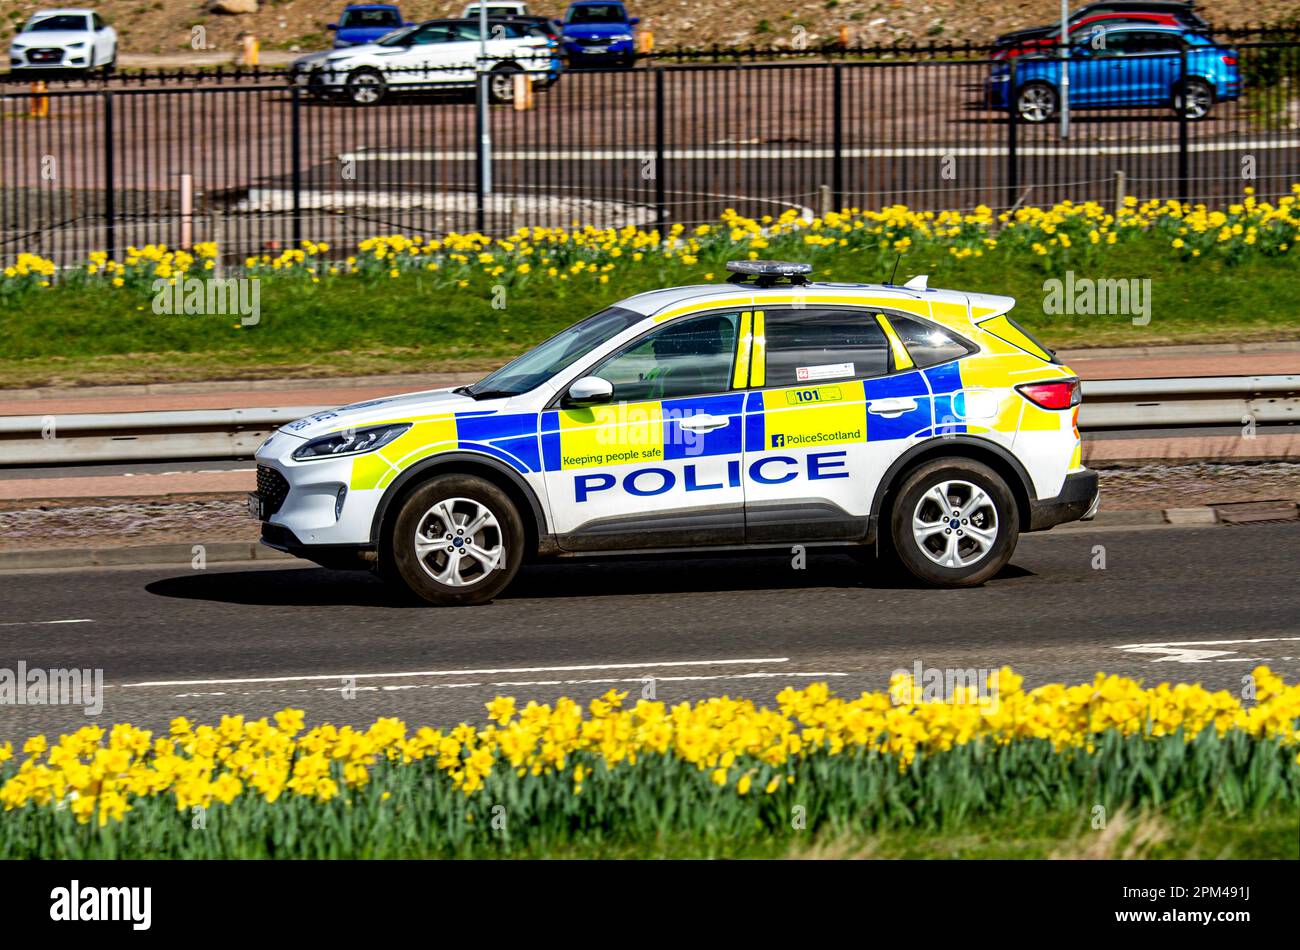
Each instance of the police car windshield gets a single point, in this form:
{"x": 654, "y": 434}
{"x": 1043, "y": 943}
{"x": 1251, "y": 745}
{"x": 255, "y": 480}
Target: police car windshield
{"x": 545, "y": 360}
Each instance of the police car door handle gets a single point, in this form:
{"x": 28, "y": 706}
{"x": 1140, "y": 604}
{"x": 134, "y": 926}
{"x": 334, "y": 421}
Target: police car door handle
{"x": 890, "y": 407}
{"x": 704, "y": 422}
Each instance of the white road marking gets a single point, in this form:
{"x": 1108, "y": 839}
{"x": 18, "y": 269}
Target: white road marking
{"x": 497, "y": 672}
{"x": 513, "y": 684}
{"x": 34, "y": 623}
{"x": 1192, "y": 651}
{"x": 778, "y": 152}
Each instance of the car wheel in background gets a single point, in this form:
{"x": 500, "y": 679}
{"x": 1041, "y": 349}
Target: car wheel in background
{"x": 1036, "y": 102}
{"x": 954, "y": 523}
{"x": 501, "y": 82}
{"x": 1195, "y": 99}
{"x": 457, "y": 541}
{"x": 366, "y": 86}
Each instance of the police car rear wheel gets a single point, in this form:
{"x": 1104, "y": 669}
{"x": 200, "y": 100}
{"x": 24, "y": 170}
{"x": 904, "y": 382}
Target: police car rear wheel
{"x": 457, "y": 541}
{"x": 954, "y": 523}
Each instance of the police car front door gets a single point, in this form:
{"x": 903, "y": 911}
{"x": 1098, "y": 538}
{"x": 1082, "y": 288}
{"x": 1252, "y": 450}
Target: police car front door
{"x": 660, "y": 465}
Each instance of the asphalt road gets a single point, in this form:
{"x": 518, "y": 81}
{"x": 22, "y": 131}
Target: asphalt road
{"x": 1199, "y": 604}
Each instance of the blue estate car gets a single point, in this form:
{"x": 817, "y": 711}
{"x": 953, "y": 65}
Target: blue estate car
{"x": 1128, "y": 66}
{"x": 597, "y": 33}
{"x": 363, "y": 23}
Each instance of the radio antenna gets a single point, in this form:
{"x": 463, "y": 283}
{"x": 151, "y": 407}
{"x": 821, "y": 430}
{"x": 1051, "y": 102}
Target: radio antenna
{"x": 897, "y": 258}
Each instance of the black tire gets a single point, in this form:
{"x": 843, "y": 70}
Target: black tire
{"x": 501, "y": 83}
{"x": 914, "y": 500}
{"x": 366, "y": 86}
{"x": 461, "y": 493}
{"x": 316, "y": 86}
{"x": 1036, "y": 102}
{"x": 1199, "y": 96}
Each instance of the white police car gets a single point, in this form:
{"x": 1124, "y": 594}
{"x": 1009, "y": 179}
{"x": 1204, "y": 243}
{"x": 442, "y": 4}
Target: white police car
{"x": 764, "y": 412}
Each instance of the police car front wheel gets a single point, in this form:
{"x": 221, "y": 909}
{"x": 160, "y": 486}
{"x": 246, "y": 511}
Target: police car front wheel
{"x": 954, "y": 523}
{"x": 457, "y": 541}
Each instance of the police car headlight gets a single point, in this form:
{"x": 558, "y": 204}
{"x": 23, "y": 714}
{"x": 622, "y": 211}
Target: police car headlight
{"x": 621, "y": 36}
{"x": 350, "y": 442}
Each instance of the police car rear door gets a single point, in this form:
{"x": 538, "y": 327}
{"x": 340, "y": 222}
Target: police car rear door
{"x": 829, "y": 410}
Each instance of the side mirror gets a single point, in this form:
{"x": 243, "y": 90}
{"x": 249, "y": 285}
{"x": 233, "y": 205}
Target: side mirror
{"x": 590, "y": 390}
{"x": 633, "y": 21}
{"x": 332, "y": 26}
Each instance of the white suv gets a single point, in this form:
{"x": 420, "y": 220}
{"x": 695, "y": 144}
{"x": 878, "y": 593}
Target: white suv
{"x": 433, "y": 55}
{"x": 768, "y": 412}
{"x": 57, "y": 40}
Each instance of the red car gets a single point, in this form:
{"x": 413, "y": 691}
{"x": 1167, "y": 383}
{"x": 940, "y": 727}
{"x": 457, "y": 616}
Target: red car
{"x": 1154, "y": 12}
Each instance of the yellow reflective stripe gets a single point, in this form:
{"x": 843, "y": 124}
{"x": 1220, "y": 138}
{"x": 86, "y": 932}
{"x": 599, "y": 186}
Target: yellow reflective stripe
{"x": 742, "y": 353}
{"x": 758, "y": 368}
{"x": 902, "y": 359}
{"x": 1004, "y": 330}
{"x": 716, "y": 303}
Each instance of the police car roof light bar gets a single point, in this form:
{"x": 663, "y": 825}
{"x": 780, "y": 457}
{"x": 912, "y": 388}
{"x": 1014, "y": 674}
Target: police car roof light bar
{"x": 767, "y": 273}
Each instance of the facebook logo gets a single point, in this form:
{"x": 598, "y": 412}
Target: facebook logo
{"x": 778, "y": 441}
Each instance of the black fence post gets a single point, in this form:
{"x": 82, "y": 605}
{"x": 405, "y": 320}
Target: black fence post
{"x": 837, "y": 133}
{"x": 295, "y": 152}
{"x": 661, "y": 202}
{"x": 1183, "y": 157}
{"x": 110, "y": 210}
{"x": 1013, "y": 162}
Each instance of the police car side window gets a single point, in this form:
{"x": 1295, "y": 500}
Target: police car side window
{"x": 927, "y": 345}
{"x": 686, "y": 358}
{"x": 812, "y": 345}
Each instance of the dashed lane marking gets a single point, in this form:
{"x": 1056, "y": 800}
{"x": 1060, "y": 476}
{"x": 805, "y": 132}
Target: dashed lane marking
{"x": 514, "y": 684}
{"x": 482, "y": 672}
{"x": 37, "y": 623}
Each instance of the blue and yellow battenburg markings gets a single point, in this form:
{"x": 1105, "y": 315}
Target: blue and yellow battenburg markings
{"x": 512, "y": 438}
{"x": 827, "y": 413}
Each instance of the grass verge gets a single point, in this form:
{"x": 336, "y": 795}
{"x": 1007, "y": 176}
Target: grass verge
{"x": 469, "y": 304}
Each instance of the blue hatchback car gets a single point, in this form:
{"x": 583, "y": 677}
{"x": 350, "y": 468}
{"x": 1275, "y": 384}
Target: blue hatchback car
{"x": 363, "y": 23}
{"x": 1127, "y": 66}
{"x": 598, "y": 33}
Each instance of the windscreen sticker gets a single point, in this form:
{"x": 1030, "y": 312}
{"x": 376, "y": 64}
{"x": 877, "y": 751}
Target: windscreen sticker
{"x": 825, "y": 371}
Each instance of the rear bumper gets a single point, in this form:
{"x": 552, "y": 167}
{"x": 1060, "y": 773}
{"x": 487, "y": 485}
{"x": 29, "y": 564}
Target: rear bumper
{"x": 1078, "y": 501}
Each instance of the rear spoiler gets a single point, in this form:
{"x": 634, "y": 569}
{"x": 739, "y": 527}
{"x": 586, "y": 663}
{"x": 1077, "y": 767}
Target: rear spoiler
{"x": 987, "y": 306}
{"x": 989, "y": 312}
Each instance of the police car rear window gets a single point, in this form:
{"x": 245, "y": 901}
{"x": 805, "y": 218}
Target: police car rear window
{"x": 928, "y": 345}
{"x": 810, "y": 345}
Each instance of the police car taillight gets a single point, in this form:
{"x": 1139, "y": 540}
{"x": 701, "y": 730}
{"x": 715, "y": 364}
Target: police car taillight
{"x": 1060, "y": 395}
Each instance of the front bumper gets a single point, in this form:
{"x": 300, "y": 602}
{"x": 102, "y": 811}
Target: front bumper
{"x": 594, "y": 51}
{"x": 1079, "y": 500}
{"x": 338, "y": 557}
